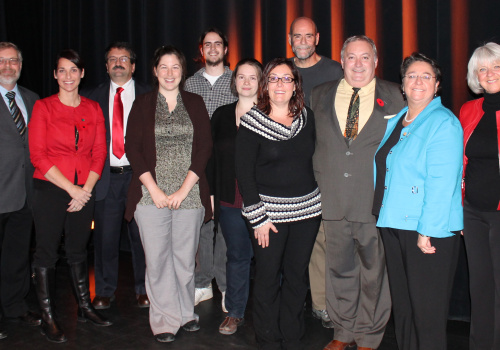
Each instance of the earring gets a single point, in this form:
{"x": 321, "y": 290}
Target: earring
{"x": 294, "y": 93}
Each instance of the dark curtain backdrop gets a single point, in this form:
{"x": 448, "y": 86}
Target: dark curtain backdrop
{"x": 43, "y": 27}
{"x": 256, "y": 27}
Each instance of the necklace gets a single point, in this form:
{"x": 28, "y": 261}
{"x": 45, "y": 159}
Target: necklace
{"x": 412, "y": 119}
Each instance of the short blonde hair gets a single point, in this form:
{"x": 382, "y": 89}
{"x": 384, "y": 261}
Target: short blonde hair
{"x": 487, "y": 53}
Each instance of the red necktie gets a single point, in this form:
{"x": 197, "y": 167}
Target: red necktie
{"x": 118, "y": 144}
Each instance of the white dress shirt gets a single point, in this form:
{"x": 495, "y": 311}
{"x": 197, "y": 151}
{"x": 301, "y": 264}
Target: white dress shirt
{"x": 128, "y": 97}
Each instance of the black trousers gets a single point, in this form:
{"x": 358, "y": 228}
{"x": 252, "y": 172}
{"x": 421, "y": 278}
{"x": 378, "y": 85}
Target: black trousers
{"x": 280, "y": 284}
{"x": 420, "y": 287}
{"x": 108, "y": 216}
{"x": 51, "y": 220}
{"x": 15, "y": 236}
{"x": 482, "y": 243}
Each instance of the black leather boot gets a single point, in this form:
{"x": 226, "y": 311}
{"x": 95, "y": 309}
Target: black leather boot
{"x": 44, "y": 279}
{"x": 80, "y": 283}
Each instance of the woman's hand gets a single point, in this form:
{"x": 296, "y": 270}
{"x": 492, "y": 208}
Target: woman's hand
{"x": 79, "y": 195}
{"x": 159, "y": 197}
{"x": 424, "y": 244}
{"x": 176, "y": 199}
{"x": 262, "y": 234}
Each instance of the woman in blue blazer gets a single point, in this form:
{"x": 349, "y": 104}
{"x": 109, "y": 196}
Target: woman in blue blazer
{"x": 418, "y": 171}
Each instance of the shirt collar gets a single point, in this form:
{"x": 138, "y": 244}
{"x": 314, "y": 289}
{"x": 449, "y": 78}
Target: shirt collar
{"x": 115, "y": 86}
{"x": 3, "y": 90}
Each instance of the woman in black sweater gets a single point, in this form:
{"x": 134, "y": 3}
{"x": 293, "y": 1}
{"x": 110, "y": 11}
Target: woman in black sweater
{"x": 225, "y": 195}
{"x": 480, "y": 120}
{"x": 282, "y": 203}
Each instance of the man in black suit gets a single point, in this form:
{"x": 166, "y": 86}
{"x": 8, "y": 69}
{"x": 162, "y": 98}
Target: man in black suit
{"x": 116, "y": 98}
{"x": 16, "y": 184}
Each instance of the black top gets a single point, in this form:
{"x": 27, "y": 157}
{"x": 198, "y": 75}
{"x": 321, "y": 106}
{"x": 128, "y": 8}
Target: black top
{"x": 221, "y": 172}
{"x": 482, "y": 178}
{"x": 274, "y": 165}
{"x": 381, "y": 169}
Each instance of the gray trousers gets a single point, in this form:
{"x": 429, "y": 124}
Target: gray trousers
{"x": 211, "y": 258}
{"x": 170, "y": 239}
{"x": 357, "y": 289}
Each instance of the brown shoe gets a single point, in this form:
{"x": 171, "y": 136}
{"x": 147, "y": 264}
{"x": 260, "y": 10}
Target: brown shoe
{"x": 230, "y": 325}
{"x": 142, "y": 300}
{"x": 338, "y": 345}
{"x": 101, "y": 303}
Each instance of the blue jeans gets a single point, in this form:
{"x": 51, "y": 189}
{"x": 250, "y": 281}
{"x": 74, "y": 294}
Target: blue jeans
{"x": 239, "y": 254}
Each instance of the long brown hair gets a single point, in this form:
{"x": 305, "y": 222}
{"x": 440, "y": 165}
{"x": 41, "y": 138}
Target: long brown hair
{"x": 296, "y": 103}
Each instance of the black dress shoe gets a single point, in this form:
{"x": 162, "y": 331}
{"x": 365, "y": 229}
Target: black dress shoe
{"x": 165, "y": 337}
{"x": 191, "y": 326}
{"x": 30, "y": 319}
{"x": 3, "y": 334}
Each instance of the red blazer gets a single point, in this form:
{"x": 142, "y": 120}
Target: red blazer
{"x": 470, "y": 115}
{"x": 52, "y": 138}
{"x": 140, "y": 145}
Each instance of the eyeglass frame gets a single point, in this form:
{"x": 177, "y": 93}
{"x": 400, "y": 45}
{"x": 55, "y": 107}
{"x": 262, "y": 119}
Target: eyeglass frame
{"x": 422, "y": 77}
{"x": 122, "y": 59}
{"x": 13, "y": 61}
{"x": 280, "y": 79}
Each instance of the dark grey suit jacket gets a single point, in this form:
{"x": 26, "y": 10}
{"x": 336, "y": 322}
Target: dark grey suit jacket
{"x": 16, "y": 170}
{"x": 345, "y": 174}
{"x": 100, "y": 94}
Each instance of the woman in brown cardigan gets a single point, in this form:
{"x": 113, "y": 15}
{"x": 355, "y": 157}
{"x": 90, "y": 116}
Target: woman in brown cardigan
{"x": 168, "y": 144}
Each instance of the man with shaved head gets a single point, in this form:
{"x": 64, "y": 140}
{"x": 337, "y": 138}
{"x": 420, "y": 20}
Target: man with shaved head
{"x": 315, "y": 70}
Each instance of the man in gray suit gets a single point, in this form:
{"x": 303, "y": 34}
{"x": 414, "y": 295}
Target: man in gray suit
{"x": 350, "y": 124}
{"x": 16, "y": 184}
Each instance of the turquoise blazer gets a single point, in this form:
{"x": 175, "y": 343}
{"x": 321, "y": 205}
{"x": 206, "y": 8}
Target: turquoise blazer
{"x": 424, "y": 174}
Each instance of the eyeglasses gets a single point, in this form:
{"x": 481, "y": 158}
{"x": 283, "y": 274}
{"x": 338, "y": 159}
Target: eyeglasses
{"x": 122, "y": 59}
{"x": 13, "y": 61}
{"x": 414, "y": 77}
{"x": 284, "y": 80}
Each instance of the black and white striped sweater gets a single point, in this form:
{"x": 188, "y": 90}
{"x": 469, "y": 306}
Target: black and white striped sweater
{"x": 274, "y": 168}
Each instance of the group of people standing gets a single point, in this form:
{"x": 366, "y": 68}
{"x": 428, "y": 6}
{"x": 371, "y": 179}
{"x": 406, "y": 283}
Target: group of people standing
{"x": 306, "y": 165}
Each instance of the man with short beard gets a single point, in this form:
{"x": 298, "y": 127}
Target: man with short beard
{"x": 211, "y": 82}
{"x": 16, "y": 183}
{"x": 315, "y": 70}
{"x": 119, "y": 92}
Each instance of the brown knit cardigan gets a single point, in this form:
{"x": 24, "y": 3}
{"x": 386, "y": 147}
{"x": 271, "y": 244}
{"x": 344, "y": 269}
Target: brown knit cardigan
{"x": 140, "y": 145}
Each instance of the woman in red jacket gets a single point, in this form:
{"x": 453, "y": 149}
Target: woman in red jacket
{"x": 480, "y": 120}
{"x": 68, "y": 149}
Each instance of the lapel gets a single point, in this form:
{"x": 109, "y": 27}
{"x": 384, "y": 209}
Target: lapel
{"x": 382, "y": 104}
{"x": 331, "y": 113}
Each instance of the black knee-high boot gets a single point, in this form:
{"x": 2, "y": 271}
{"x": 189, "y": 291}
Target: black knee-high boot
{"x": 80, "y": 282}
{"x": 45, "y": 285}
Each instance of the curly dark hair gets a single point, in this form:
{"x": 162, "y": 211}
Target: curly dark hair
{"x": 296, "y": 103}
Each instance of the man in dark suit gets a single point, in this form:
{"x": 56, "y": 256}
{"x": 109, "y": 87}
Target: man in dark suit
{"x": 350, "y": 124}
{"x": 116, "y": 98}
{"x": 16, "y": 184}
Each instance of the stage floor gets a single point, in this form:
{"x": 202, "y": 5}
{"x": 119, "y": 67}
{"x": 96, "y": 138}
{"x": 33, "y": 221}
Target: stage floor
{"x": 131, "y": 324}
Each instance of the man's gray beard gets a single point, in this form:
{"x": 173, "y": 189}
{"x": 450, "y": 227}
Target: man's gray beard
{"x": 11, "y": 81}
{"x": 310, "y": 53}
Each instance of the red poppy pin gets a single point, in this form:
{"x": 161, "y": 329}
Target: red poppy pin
{"x": 380, "y": 102}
